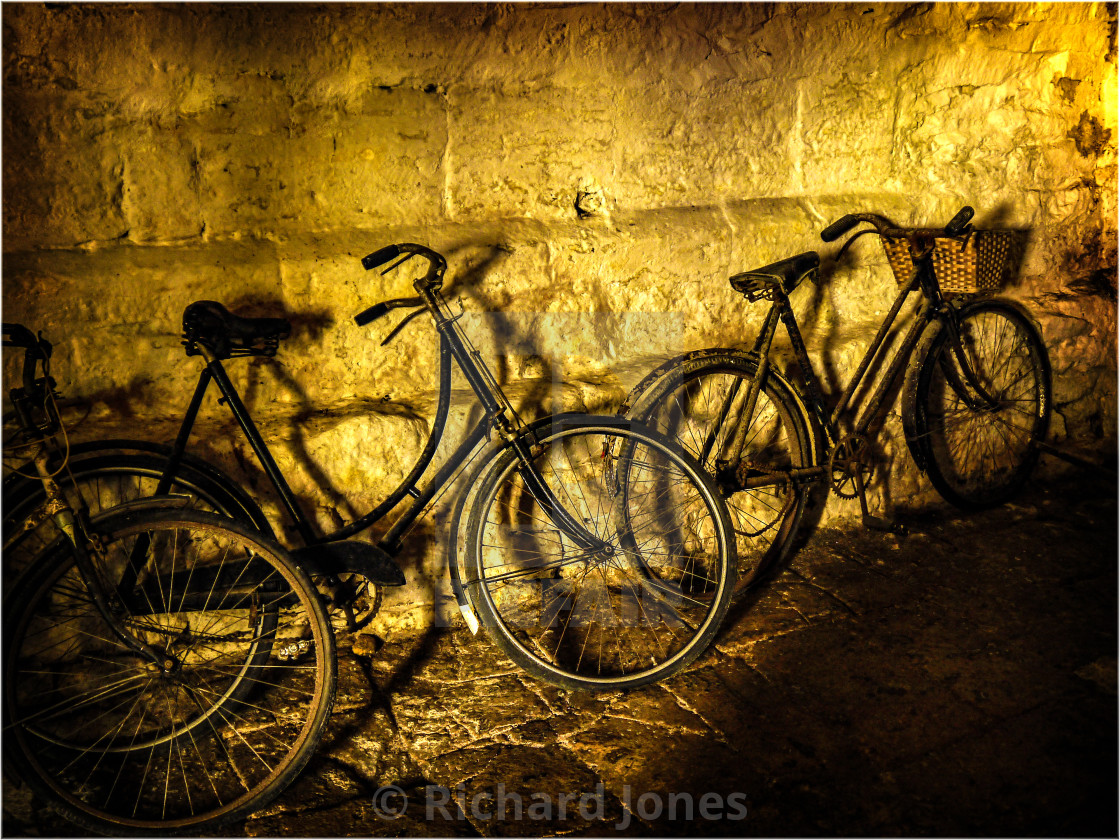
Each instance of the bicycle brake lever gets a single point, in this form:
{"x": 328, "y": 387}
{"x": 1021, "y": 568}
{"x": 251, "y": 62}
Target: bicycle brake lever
{"x": 378, "y": 310}
{"x": 398, "y": 263}
{"x": 404, "y": 322}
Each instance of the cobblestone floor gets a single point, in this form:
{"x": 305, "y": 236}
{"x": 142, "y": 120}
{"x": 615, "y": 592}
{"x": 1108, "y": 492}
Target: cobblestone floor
{"x": 958, "y": 681}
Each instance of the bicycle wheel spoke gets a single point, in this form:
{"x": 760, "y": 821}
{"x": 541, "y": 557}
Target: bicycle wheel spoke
{"x": 978, "y": 454}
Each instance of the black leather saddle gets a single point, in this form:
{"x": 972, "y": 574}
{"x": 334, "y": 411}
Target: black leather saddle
{"x": 785, "y": 274}
{"x": 226, "y": 335}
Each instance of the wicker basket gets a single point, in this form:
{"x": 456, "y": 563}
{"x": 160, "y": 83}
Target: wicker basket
{"x": 975, "y": 263}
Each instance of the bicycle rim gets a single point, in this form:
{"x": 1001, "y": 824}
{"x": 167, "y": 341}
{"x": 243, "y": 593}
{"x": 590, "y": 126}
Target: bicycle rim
{"x": 638, "y": 609}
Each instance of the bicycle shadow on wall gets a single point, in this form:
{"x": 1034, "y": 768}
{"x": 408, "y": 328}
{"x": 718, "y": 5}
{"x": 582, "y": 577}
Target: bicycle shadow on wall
{"x": 507, "y": 339}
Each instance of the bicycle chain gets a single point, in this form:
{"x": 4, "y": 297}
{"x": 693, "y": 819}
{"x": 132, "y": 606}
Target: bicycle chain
{"x": 787, "y": 487}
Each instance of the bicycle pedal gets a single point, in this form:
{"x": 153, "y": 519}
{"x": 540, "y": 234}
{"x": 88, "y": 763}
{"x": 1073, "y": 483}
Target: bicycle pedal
{"x": 293, "y": 651}
{"x": 877, "y": 523}
{"x": 350, "y": 557}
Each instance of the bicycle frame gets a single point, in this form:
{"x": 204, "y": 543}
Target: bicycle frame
{"x": 924, "y": 279}
{"x": 498, "y": 417}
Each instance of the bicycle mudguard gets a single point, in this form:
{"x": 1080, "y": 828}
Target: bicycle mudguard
{"x": 170, "y": 500}
{"x": 14, "y": 482}
{"x": 665, "y": 368}
{"x": 910, "y": 407}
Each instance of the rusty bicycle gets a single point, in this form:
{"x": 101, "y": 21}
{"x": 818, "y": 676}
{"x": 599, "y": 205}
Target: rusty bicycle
{"x": 975, "y": 400}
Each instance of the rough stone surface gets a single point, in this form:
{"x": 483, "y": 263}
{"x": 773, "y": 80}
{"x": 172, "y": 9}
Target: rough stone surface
{"x": 960, "y": 681}
{"x": 594, "y": 174}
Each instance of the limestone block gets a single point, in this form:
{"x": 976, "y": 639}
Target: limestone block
{"x": 299, "y": 169}
{"x": 160, "y": 200}
{"x": 64, "y": 172}
{"x": 525, "y": 158}
{"x": 836, "y": 117}
{"x": 643, "y": 146}
{"x": 727, "y": 141}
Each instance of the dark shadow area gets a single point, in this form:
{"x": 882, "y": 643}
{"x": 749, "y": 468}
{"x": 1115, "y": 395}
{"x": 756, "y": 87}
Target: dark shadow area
{"x": 961, "y": 682}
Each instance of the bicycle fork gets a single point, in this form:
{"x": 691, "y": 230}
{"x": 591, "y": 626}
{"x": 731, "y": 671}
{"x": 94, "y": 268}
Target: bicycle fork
{"x": 963, "y": 366}
{"x": 59, "y": 510}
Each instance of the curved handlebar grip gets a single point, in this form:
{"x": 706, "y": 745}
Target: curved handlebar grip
{"x": 960, "y": 221}
{"x": 17, "y": 335}
{"x": 380, "y": 257}
{"x": 839, "y": 228}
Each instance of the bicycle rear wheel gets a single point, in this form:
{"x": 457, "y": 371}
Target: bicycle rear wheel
{"x": 638, "y": 608}
{"x": 119, "y": 746}
{"x": 975, "y": 455}
{"x": 698, "y": 403}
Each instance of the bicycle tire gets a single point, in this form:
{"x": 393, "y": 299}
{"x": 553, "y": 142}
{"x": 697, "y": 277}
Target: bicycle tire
{"x": 685, "y": 402}
{"x": 102, "y": 481}
{"x": 210, "y": 742}
{"x": 647, "y": 598}
{"x": 978, "y": 458}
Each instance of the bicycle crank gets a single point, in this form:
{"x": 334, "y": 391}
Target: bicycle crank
{"x": 849, "y": 467}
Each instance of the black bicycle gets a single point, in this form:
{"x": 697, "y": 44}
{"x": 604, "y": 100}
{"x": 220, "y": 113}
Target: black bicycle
{"x": 597, "y": 554}
{"x": 975, "y": 401}
{"x": 164, "y": 669}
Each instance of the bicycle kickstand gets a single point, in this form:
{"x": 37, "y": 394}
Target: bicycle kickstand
{"x": 872, "y": 522}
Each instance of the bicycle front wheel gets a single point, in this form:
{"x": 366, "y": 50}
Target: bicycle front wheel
{"x": 979, "y": 455}
{"x": 122, "y": 745}
{"x": 639, "y": 603}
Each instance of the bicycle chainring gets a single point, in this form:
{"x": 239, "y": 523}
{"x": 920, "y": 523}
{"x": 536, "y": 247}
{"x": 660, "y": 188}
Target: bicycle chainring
{"x": 849, "y": 458}
{"x": 364, "y": 600}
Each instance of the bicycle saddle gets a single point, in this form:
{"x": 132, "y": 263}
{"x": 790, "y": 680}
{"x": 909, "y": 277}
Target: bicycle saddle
{"x": 227, "y": 335}
{"x": 787, "y": 273}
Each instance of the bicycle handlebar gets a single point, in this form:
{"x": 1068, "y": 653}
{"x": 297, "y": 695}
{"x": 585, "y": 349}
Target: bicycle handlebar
{"x": 407, "y": 250}
{"x": 885, "y": 227}
{"x": 432, "y": 280}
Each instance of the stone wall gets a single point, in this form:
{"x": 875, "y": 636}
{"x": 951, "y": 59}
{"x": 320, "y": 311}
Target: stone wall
{"x": 593, "y": 172}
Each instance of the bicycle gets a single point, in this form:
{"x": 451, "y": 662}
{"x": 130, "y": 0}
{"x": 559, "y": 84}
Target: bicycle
{"x": 597, "y": 554}
{"x": 164, "y": 669}
{"x": 975, "y": 400}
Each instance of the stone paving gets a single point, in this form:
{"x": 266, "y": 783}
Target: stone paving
{"x": 957, "y": 681}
